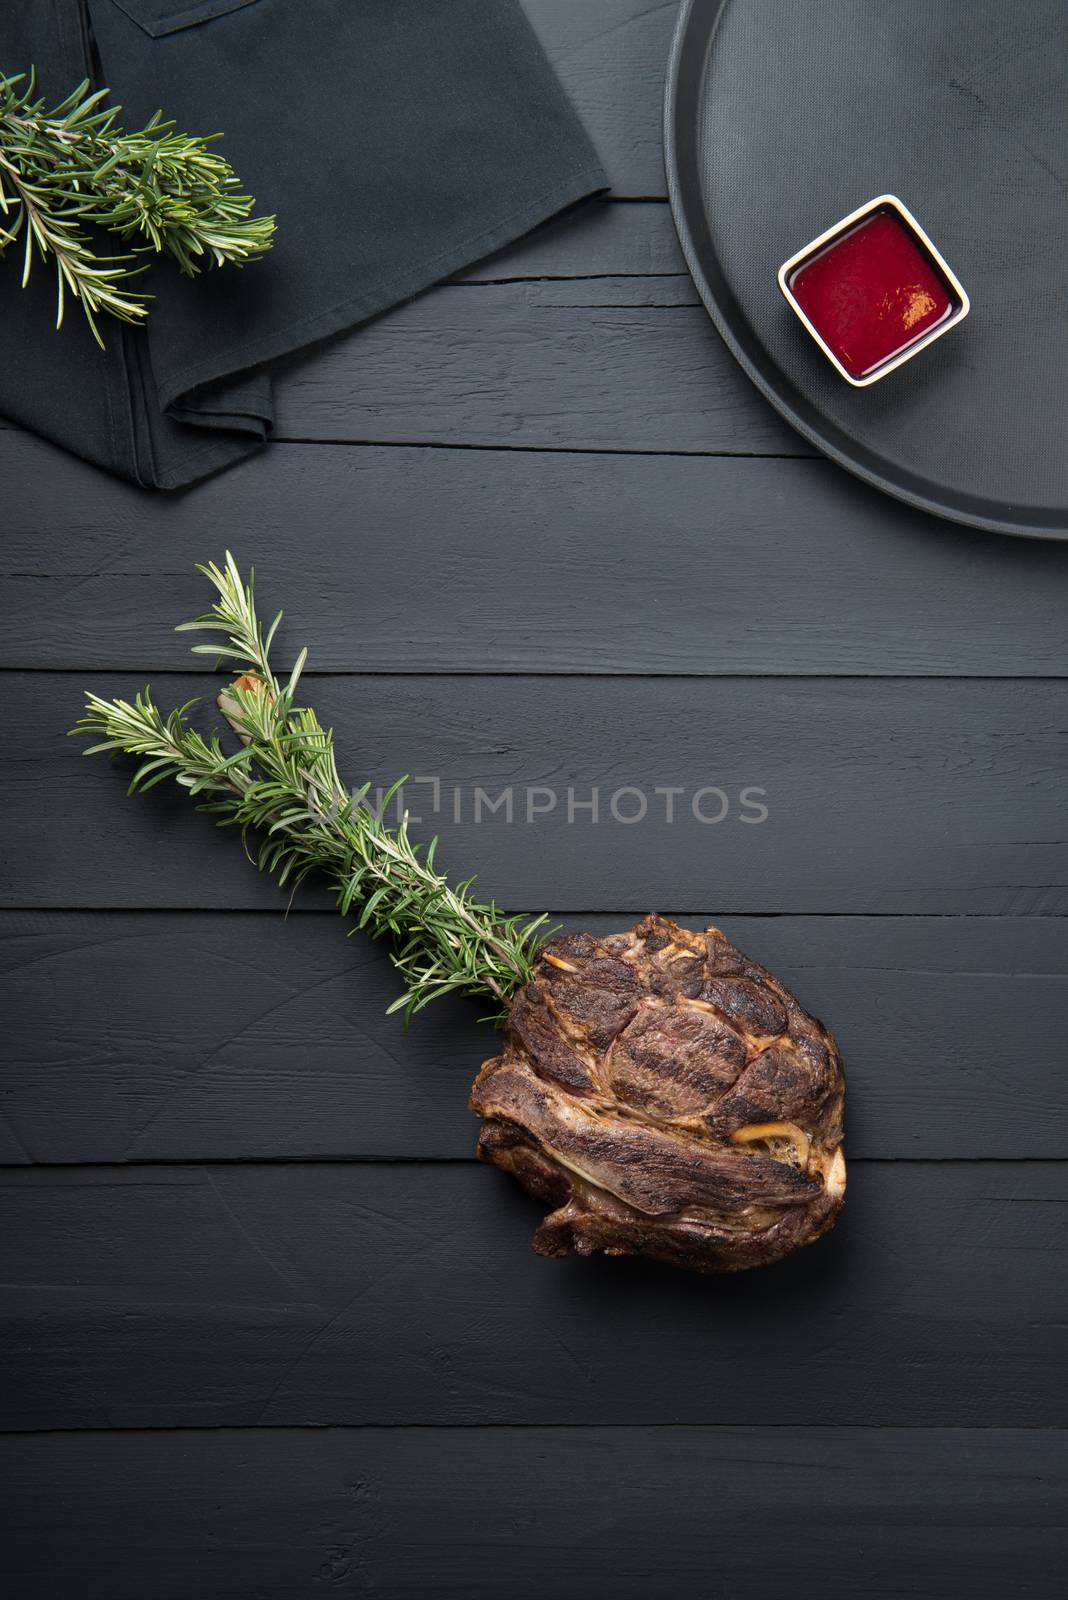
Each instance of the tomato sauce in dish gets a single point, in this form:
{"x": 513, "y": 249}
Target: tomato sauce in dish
{"x": 872, "y": 291}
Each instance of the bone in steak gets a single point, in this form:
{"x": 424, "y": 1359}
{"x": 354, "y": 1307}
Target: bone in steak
{"x": 669, "y": 1098}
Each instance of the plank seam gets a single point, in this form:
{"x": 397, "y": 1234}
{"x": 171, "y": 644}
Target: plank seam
{"x": 607, "y": 675}
{"x": 802, "y": 454}
{"x": 449, "y": 674}
{"x": 279, "y": 910}
{"x": 195, "y": 1164}
{"x": 771, "y": 1428}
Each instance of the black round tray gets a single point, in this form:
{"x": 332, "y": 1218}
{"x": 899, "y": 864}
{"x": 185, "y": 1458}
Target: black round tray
{"x": 783, "y": 115}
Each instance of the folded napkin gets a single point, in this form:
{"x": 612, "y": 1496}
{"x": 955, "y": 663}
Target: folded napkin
{"x": 396, "y": 140}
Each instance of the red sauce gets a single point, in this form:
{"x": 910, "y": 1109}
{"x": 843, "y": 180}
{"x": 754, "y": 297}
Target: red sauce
{"x": 872, "y": 292}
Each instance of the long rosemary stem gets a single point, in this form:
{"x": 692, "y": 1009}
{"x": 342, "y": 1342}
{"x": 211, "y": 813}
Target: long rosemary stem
{"x": 283, "y": 784}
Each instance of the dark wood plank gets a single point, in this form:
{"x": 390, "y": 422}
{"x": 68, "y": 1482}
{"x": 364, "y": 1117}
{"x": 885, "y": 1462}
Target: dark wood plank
{"x": 597, "y": 239}
{"x": 611, "y": 60}
{"x": 344, "y": 1293}
{"x": 883, "y": 795}
{"x": 641, "y": 1513}
{"x": 614, "y": 363}
{"x": 184, "y": 1036}
{"x": 458, "y": 560}
{"x": 587, "y": 335}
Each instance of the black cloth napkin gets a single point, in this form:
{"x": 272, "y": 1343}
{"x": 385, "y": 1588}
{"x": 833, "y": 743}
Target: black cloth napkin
{"x": 396, "y": 140}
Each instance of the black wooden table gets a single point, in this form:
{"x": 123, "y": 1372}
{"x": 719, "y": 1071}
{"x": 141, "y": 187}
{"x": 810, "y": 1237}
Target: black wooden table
{"x": 267, "y": 1328}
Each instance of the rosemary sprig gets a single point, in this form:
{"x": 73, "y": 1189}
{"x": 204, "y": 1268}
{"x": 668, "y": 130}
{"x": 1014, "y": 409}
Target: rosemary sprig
{"x": 283, "y": 783}
{"x": 72, "y": 165}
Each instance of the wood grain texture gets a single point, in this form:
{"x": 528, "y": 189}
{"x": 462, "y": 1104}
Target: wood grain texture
{"x": 389, "y": 1294}
{"x": 236, "y": 1515}
{"x": 597, "y": 239}
{"x": 192, "y": 1036}
{"x": 609, "y": 363}
{"x": 921, "y": 796}
{"x": 474, "y": 561}
{"x": 610, "y": 58}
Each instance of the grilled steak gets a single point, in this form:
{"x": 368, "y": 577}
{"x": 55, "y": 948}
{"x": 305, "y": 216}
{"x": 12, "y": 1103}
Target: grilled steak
{"x": 667, "y": 1097}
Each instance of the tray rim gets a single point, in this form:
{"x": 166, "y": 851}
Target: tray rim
{"x": 830, "y": 440}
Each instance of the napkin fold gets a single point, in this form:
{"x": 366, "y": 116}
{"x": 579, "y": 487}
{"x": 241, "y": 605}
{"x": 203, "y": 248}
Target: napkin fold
{"x": 397, "y": 141}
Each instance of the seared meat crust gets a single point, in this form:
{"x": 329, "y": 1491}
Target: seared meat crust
{"x": 667, "y": 1097}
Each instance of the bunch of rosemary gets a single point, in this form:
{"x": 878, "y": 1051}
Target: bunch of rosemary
{"x": 283, "y": 783}
{"x": 70, "y": 166}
